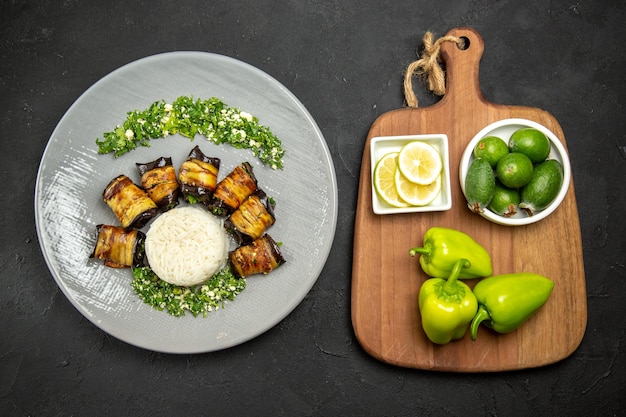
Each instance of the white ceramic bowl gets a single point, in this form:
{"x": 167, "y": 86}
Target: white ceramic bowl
{"x": 504, "y": 129}
{"x": 381, "y": 145}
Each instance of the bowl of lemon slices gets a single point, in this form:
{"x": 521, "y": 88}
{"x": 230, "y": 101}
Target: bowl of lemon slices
{"x": 410, "y": 174}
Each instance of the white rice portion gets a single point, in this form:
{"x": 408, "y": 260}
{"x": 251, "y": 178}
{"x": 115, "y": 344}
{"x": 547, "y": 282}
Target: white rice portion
{"x": 186, "y": 245}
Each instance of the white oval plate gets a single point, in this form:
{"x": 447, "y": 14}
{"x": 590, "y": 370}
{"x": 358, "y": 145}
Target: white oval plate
{"x": 72, "y": 176}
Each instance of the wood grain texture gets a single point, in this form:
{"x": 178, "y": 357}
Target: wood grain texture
{"x": 386, "y": 281}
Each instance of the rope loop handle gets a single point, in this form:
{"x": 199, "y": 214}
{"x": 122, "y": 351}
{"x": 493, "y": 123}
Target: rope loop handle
{"x": 428, "y": 67}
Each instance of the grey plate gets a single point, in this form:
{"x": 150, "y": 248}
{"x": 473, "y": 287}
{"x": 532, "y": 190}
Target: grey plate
{"x": 72, "y": 176}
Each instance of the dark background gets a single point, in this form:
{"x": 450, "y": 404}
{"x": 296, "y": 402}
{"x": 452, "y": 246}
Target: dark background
{"x": 344, "y": 60}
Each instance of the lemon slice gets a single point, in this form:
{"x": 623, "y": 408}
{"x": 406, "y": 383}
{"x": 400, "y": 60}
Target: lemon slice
{"x": 420, "y": 162}
{"x": 385, "y": 180}
{"x": 417, "y": 194}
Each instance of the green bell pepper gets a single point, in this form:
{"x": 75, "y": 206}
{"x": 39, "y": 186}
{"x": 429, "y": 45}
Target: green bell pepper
{"x": 447, "y": 306}
{"x": 506, "y": 301}
{"x": 443, "y": 247}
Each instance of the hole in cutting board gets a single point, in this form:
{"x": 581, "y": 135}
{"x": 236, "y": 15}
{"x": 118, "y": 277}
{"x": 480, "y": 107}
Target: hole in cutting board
{"x": 466, "y": 43}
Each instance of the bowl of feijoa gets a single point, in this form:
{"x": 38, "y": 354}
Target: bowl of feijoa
{"x": 514, "y": 172}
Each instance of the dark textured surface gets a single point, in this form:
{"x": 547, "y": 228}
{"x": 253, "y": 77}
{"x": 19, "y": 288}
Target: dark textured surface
{"x": 344, "y": 61}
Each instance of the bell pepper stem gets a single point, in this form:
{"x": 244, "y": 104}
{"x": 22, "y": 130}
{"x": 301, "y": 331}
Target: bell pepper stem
{"x": 421, "y": 251}
{"x": 481, "y": 315}
{"x": 450, "y": 285}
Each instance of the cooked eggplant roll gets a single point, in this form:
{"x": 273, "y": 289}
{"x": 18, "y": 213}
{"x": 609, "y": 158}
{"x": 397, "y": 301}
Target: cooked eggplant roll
{"x": 131, "y": 204}
{"x": 198, "y": 176}
{"x": 233, "y": 190}
{"x": 259, "y": 257}
{"x": 158, "y": 178}
{"x": 119, "y": 247}
{"x": 253, "y": 217}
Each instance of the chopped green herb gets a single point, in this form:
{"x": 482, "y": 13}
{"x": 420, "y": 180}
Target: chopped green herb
{"x": 210, "y": 118}
{"x": 222, "y": 287}
{"x": 192, "y": 199}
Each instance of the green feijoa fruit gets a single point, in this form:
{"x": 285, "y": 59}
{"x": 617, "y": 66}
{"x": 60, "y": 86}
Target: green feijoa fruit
{"x": 505, "y": 201}
{"x": 531, "y": 142}
{"x": 543, "y": 187}
{"x": 514, "y": 170}
{"x": 491, "y": 148}
{"x": 480, "y": 184}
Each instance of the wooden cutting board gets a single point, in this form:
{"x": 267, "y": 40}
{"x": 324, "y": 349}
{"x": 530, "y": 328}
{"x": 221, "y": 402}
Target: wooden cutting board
{"x": 386, "y": 281}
